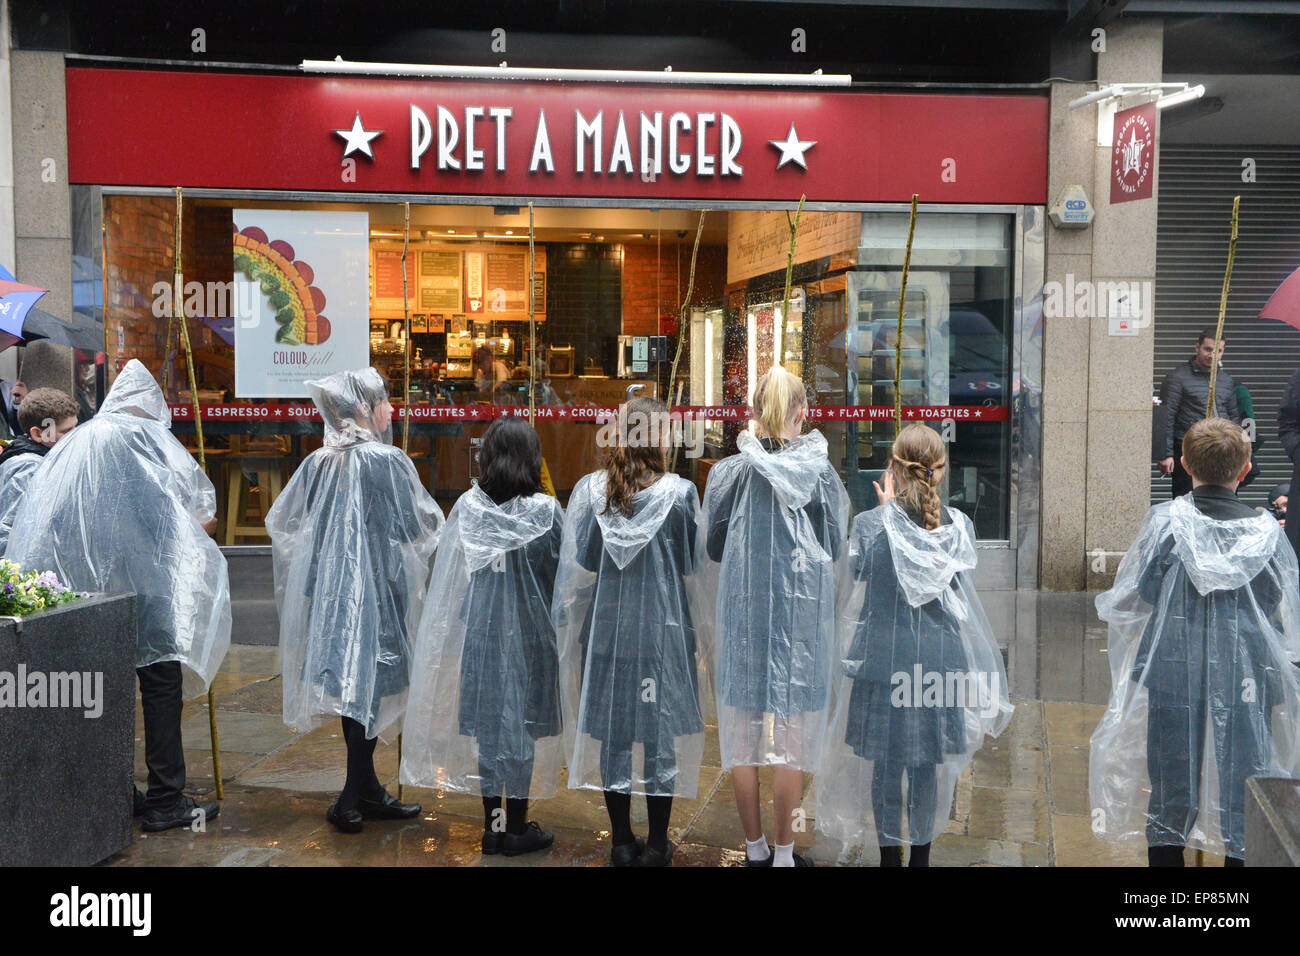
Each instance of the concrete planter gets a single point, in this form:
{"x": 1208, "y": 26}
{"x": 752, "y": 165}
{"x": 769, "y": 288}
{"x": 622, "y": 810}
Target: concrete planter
{"x": 67, "y": 733}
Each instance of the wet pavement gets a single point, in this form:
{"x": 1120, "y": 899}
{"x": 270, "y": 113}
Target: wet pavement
{"x": 1022, "y": 802}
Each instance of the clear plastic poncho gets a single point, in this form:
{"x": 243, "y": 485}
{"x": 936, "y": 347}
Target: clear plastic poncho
{"x": 920, "y": 681}
{"x": 1204, "y": 622}
{"x": 629, "y": 650}
{"x": 773, "y": 525}
{"x": 118, "y": 505}
{"x": 353, "y": 533}
{"x": 14, "y": 477}
{"x": 484, "y": 711}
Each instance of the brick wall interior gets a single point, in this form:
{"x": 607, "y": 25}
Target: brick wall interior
{"x": 140, "y": 253}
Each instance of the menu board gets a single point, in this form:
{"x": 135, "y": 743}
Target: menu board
{"x": 507, "y": 281}
{"x": 386, "y": 278}
{"x": 440, "y": 287}
{"x": 474, "y": 278}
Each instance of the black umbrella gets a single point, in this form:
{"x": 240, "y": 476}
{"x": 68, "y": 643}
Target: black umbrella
{"x": 83, "y": 332}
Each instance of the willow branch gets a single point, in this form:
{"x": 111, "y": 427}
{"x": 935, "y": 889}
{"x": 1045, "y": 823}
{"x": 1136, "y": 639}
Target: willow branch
{"x": 1223, "y": 308}
{"x": 902, "y": 308}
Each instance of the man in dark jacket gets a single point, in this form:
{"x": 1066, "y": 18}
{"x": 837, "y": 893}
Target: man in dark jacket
{"x": 1288, "y": 429}
{"x": 1183, "y": 396}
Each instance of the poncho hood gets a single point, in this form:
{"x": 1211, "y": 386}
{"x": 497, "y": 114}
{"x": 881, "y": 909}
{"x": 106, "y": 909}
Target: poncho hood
{"x": 488, "y": 529}
{"x": 792, "y": 470}
{"x": 1221, "y": 555}
{"x": 134, "y": 392}
{"x": 624, "y": 537}
{"x": 926, "y": 561}
{"x": 347, "y": 401}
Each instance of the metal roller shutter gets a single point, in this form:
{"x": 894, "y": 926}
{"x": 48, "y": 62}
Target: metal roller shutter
{"x": 1196, "y": 187}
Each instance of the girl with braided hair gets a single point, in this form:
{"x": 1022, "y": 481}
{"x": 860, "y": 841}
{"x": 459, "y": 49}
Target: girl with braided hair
{"x": 921, "y": 678}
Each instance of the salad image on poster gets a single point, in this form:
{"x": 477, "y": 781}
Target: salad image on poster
{"x": 303, "y": 284}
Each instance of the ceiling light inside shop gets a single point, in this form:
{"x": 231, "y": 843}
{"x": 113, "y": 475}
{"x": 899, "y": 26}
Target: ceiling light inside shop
{"x": 668, "y": 76}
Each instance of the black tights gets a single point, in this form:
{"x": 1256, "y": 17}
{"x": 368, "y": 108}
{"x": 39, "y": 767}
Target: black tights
{"x": 658, "y": 770}
{"x": 492, "y": 778}
{"x": 658, "y": 809}
{"x": 361, "y": 780}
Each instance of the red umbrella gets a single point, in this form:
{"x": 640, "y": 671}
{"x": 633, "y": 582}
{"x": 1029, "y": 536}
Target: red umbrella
{"x": 1284, "y": 304}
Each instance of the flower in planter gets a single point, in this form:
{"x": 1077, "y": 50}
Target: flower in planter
{"x": 28, "y": 591}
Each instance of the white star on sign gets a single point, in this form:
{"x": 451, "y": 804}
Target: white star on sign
{"x": 358, "y": 137}
{"x": 792, "y": 148}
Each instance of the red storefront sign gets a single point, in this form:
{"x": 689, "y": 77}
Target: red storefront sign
{"x": 302, "y": 411}
{"x": 1133, "y": 150}
{"x": 349, "y": 134}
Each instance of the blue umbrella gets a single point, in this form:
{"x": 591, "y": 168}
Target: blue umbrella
{"x": 16, "y": 302}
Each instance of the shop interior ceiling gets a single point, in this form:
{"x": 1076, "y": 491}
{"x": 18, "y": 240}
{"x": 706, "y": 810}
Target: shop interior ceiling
{"x": 665, "y": 227}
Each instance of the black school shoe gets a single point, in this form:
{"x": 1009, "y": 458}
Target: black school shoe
{"x": 801, "y": 860}
{"x": 533, "y": 838}
{"x": 771, "y": 855}
{"x": 493, "y": 842}
{"x": 388, "y": 807}
{"x": 345, "y": 821}
{"x": 183, "y": 813}
{"x": 653, "y": 857}
{"x": 627, "y": 854}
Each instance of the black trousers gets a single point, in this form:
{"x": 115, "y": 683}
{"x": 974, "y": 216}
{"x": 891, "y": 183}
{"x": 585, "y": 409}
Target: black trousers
{"x": 160, "y": 698}
{"x": 1176, "y": 745}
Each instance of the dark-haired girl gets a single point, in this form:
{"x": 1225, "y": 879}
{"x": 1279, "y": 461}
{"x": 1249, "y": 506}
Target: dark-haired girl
{"x": 628, "y": 646}
{"x": 484, "y": 712}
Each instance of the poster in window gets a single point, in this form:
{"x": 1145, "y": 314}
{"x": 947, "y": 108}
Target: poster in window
{"x": 437, "y": 323}
{"x": 419, "y": 323}
{"x": 302, "y": 298}
{"x": 474, "y": 282}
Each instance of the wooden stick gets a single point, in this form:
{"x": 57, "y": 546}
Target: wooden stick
{"x": 406, "y": 312}
{"x": 532, "y": 326}
{"x": 902, "y": 308}
{"x": 682, "y": 326}
{"x": 178, "y": 311}
{"x": 789, "y": 266}
{"x": 1223, "y": 308}
{"x": 406, "y": 402}
{"x": 103, "y": 269}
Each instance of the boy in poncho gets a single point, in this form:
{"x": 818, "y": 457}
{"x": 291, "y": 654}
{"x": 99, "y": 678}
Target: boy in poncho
{"x": 1204, "y": 624}
{"x": 45, "y": 416}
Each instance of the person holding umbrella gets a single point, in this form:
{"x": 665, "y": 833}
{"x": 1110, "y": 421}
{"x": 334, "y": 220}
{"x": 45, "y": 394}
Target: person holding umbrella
{"x": 1284, "y": 305}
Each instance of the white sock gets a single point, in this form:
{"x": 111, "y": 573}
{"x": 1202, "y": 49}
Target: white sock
{"x": 757, "y": 850}
{"x": 784, "y": 855}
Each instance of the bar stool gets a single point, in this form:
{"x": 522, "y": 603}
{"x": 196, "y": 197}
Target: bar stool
{"x": 262, "y": 458}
